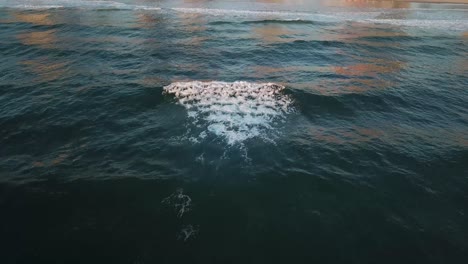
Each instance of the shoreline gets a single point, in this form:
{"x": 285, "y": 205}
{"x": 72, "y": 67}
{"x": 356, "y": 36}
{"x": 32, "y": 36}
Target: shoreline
{"x": 393, "y": 3}
{"x": 461, "y": 2}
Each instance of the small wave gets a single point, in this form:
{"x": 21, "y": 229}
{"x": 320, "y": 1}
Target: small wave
{"x": 234, "y": 111}
{"x": 297, "y": 21}
{"x": 325, "y": 18}
{"x": 214, "y": 23}
{"x": 285, "y": 21}
{"x": 222, "y": 12}
{"x": 147, "y": 8}
{"x": 422, "y": 23}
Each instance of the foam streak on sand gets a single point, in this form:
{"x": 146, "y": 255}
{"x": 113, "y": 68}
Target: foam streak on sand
{"x": 233, "y": 111}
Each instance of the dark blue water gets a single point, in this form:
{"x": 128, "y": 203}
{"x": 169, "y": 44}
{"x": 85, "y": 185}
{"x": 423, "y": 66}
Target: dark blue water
{"x": 233, "y": 132}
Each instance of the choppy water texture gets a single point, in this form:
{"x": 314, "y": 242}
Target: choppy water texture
{"x": 233, "y": 132}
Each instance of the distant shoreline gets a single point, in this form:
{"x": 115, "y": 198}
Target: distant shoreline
{"x": 436, "y": 1}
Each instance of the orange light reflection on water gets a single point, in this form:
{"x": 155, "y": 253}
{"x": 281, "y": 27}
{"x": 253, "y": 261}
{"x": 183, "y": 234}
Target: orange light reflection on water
{"x": 46, "y": 70}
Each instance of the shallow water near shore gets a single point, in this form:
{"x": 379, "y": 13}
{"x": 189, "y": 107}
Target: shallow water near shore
{"x": 240, "y": 132}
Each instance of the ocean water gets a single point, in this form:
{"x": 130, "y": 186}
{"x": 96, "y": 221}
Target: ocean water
{"x": 233, "y": 132}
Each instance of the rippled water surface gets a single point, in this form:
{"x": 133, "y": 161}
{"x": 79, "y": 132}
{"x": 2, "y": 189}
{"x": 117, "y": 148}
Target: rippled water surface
{"x": 233, "y": 132}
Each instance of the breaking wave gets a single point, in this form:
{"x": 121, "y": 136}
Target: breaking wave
{"x": 235, "y": 111}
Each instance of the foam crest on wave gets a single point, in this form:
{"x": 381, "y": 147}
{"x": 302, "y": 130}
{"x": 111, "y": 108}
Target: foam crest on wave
{"x": 235, "y": 111}
{"x": 423, "y": 23}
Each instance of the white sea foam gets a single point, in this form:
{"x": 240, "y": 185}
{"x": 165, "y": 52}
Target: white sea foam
{"x": 180, "y": 201}
{"x": 422, "y": 23}
{"x": 146, "y": 8}
{"x": 252, "y": 14}
{"x": 234, "y": 111}
{"x": 187, "y": 232}
{"x": 37, "y": 7}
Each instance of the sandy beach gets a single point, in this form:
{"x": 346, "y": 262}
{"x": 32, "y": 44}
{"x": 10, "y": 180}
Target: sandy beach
{"x": 391, "y": 3}
{"x": 437, "y": 1}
